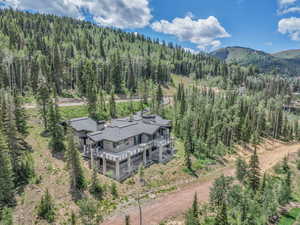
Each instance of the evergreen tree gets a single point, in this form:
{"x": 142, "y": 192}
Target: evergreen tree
{"x": 56, "y": 130}
{"x": 95, "y": 187}
{"x": 188, "y": 146}
{"x": 90, "y": 212}
{"x": 73, "y": 219}
{"x": 159, "y": 99}
{"x": 78, "y": 181}
{"x": 286, "y": 189}
{"x": 254, "y": 172}
{"x": 46, "y": 208}
{"x": 6, "y": 217}
{"x": 7, "y": 190}
{"x": 127, "y": 220}
{"x": 285, "y": 165}
{"x": 195, "y": 208}
{"x": 241, "y": 169}
{"x": 43, "y": 100}
{"x": 112, "y": 105}
{"x": 20, "y": 116}
{"x": 221, "y": 218}
{"x": 190, "y": 219}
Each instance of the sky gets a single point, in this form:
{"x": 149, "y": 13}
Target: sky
{"x": 198, "y": 25}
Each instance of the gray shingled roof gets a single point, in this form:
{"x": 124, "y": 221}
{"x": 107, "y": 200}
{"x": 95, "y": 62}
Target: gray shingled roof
{"x": 83, "y": 124}
{"x": 120, "y": 129}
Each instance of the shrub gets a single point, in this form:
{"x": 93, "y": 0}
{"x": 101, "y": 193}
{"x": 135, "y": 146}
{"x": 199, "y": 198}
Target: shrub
{"x": 46, "y": 208}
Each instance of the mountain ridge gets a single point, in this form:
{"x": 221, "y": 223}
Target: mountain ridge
{"x": 285, "y": 62}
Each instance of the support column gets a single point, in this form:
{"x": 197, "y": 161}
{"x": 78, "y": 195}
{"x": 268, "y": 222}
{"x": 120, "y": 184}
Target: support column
{"x": 118, "y": 169}
{"x": 84, "y": 150}
{"x": 161, "y": 153}
{"x": 145, "y": 156}
{"x": 104, "y": 164}
{"x": 150, "y": 154}
{"x": 129, "y": 162}
{"x": 92, "y": 158}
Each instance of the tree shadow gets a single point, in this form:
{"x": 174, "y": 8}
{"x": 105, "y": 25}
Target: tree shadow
{"x": 59, "y": 155}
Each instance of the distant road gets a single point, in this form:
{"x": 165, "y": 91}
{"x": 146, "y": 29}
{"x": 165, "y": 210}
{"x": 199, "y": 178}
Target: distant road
{"x": 176, "y": 203}
{"x": 78, "y": 102}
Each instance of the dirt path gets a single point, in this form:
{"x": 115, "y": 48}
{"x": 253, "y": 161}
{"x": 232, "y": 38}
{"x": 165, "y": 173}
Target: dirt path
{"x": 175, "y": 203}
{"x": 77, "y": 102}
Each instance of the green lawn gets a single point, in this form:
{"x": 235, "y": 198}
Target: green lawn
{"x": 290, "y": 218}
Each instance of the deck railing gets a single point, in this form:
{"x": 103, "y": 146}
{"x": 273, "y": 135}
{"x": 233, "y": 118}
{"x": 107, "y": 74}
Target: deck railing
{"x": 131, "y": 151}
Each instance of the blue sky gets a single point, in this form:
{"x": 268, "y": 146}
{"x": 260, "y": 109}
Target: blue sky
{"x": 268, "y": 25}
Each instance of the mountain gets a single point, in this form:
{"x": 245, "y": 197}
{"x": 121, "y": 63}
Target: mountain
{"x": 288, "y": 54}
{"x": 285, "y": 63}
{"x": 75, "y": 55}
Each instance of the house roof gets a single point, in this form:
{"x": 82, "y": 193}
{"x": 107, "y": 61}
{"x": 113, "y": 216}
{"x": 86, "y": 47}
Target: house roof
{"x": 123, "y": 128}
{"x": 83, "y": 124}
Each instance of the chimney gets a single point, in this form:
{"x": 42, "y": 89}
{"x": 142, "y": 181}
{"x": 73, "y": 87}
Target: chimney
{"x": 100, "y": 125}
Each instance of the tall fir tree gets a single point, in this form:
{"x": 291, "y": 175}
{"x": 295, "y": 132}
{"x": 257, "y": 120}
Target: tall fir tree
{"x": 56, "y": 143}
{"x": 254, "y": 172}
{"x": 20, "y": 115}
{"x": 78, "y": 180}
{"x": 241, "y": 169}
{"x": 43, "y": 100}
{"x": 112, "y": 105}
{"x": 7, "y": 188}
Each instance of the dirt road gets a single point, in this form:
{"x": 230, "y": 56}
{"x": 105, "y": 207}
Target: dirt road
{"x": 77, "y": 102}
{"x": 175, "y": 203}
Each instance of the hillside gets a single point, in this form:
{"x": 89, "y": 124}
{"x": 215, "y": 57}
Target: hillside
{"x": 288, "y": 54}
{"x": 265, "y": 62}
{"x": 72, "y": 54}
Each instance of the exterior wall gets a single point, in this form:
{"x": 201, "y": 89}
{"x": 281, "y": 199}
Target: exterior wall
{"x": 108, "y": 145}
{"x": 125, "y": 144}
{"x": 145, "y": 138}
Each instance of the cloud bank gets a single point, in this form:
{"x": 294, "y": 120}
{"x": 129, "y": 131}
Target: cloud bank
{"x": 290, "y": 26}
{"x": 202, "y": 32}
{"x": 116, "y": 13}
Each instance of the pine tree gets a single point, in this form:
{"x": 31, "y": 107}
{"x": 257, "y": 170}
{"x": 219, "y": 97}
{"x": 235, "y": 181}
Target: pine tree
{"x": 112, "y": 105}
{"x": 6, "y": 176}
{"x": 43, "y": 100}
{"x": 254, "y": 172}
{"x": 241, "y": 169}
{"x": 78, "y": 181}
{"x": 221, "y": 218}
{"x": 73, "y": 219}
{"x": 46, "y": 208}
{"x": 285, "y": 165}
{"x": 188, "y": 146}
{"x": 56, "y": 130}
{"x": 127, "y": 220}
{"x": 20, "y": 116}
{"x": 159, "y": 99}
{"x": 6, "y": 217}
{"x": 190, "y": 219}
{"x": 195, "y": 208}
{"x": 95, "y": 187}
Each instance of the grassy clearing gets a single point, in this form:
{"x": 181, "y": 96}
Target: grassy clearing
{"x": 290, "y": 218}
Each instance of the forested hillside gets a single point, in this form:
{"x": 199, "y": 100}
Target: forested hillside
{"x": 266, "y": 63}
{"x": 72, "y": 55}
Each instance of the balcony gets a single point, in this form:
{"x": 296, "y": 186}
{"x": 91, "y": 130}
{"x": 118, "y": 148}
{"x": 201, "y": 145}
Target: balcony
{"x": 134, "y": 150}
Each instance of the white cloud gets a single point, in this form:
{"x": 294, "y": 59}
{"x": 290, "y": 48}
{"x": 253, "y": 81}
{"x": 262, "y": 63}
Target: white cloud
{"x": 290, "y": 26}
{"x": 203, "y": 32}
{"x": 117, "y": 13}
{"x": 286, "y": 2}
{"x": 289, "y": 10}
{"x": 268, "y": 43}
